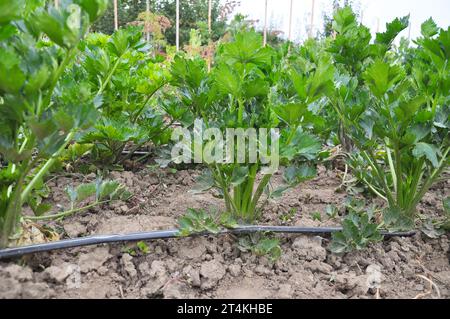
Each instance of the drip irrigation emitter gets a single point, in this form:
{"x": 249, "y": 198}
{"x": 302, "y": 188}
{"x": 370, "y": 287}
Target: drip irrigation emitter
{"x": 166, "y": 234}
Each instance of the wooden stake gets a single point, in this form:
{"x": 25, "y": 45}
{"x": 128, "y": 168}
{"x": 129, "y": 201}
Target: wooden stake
{"x": 208, "y": 59}
{"x": 409, "y": 31}
{"x": 147, "y": 35}
{"x": 210, "y": 17}
{"x": 290, "y": 22}
{"x": 57, "y": 4}
{"x": 116, "y": 15}
{"x": 177, "y": 35}
{"x": 265, "y": 24}
{"x": 378, "y": 25}
{"x": 312, "y": 19}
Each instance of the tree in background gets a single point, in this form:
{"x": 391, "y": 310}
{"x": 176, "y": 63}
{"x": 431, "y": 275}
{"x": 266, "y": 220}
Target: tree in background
{"x": 129, "y": 11}
{"x": 154, "y": 25}
{"x": 193, "y": 15}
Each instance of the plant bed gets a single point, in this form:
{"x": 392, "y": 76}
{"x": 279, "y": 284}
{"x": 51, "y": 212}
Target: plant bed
{"x": 215, "y": 267}
{"x": 362, "y": 124}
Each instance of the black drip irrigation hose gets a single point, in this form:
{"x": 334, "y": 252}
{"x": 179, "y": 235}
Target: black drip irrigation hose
{"x": 166, "y": 234}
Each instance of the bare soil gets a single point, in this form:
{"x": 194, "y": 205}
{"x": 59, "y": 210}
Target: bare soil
{"x": 213, "y": 267}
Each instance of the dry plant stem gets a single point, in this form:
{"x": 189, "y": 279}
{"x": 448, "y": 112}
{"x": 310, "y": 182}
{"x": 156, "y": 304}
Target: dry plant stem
{"x": 430, "y": 291}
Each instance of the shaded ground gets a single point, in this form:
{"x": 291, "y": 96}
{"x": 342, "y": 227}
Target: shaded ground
{"x": 214, "y": 267}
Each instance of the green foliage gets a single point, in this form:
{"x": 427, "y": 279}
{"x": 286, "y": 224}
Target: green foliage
{"x": 39, "y": 111}
{"x": 75, "y": 151}
{"x": 126, "y": 81}
{"x": 261, "y": 245}
{"x": 317, "y": 216}
{"x": 392, "y": 30}
{"x": 358, "y": 231}
{"x": 193, "y": 15}
{"x": 243, "y": 90}
{"x": 143, "y": 247}
{"x": 86, "y": 196}
{"x": 140, "y": 248}
{"x": 393, "y": 113}
{"x": 287, "y": 217}
{"x": 429, "y": 28}
{"x": 332, "y": 211}
{"x": 101, "y": 191}
{"x": 197, "y": 221}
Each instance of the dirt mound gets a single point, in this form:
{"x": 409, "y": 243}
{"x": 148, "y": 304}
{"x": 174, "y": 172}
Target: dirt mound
{"x": 214, "y": 267}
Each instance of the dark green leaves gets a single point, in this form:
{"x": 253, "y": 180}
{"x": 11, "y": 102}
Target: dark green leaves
{"x": 293, "y": 175}
{"x": 198, "y": 221}
{"x": 12, "y": 78}
{"x": 240, "y": 174}
{"x": 188, "y": 72}
{"x": 407, "y": 109}
{"x": 11, "y": 10}
{"x": 396, "y": 220}
{"x": 268, "y": 247}
{"x": 314, "y": 84}
{"x": 227, "y": 80}
{"x": 261, "y": 245}
{"x": 357, "y": 233}
{"x": 203, "y": 183}
{"x": 430, "y": 152}
{"x": 302, "y": 145}
{"x": 321, "y": 81}
{"x": 291, "y": 113}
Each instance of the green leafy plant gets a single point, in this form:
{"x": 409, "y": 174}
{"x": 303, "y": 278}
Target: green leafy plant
{"x": 317, "y": 216}
{"x": 140, "y": 248}
{"x": 86, "y": 196}
{"x": 261, "y": 245}
{"x": 393, "y": 111}
{"x": 239, "y": 93}
{"x": 143, "y": 247}
{"x": 402, "y": 137}
{"x": 288, "y": 216}
{"x": 38, "y": 114}
{"x": 352, "y": 52}
{"x": 332, "y": 211}
{"x": 198, "y": 221}
{"x": 359, "y": 229}
{"x": 126, "y": 80}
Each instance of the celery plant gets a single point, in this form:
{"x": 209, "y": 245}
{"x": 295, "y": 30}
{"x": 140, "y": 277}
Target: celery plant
{"x": 126, "y": 78}
{"x": 243, "y": 91}
{"x": 403, "y": 135}
{"x": 39, "y": 115}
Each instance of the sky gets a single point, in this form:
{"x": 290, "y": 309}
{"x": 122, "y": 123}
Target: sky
{"x": 375, "y": 14}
